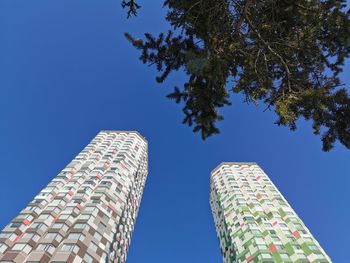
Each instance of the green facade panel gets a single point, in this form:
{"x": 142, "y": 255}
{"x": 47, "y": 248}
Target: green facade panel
{"x": 253, "y": 220}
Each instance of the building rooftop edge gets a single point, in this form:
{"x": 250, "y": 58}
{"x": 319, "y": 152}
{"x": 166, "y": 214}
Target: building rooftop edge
{"x": 126, "y": 131}
{"x": 231, "y": 163}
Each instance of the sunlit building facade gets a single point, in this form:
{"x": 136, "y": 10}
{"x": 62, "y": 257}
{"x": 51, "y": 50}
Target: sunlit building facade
{"x": 254, "y": 222}
{"x": 87, "y": 212}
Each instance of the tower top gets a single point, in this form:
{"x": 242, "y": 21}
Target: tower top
{"x": 122, "y": 131}
{"x": 233, "y": 163}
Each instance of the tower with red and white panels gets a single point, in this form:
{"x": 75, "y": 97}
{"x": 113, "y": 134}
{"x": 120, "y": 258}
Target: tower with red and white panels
{"x": 254, "y": 222}
{"x": 87, "y": 213}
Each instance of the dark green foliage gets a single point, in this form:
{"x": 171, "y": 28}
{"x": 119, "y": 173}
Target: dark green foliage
{"x": 132, "y": 7}
{"x": 286, "y": 54}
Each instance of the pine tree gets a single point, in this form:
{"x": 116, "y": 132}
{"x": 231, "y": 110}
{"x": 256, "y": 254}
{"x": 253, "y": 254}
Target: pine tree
{"x": 286, "y": 54}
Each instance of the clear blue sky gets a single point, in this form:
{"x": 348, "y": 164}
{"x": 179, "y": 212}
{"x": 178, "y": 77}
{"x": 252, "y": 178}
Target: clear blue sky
{"x": 67, "y": 72}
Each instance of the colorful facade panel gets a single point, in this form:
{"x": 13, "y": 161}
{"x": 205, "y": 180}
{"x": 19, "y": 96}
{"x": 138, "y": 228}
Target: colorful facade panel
{"x": 254, "y": 222}
{"x": 88, "y": 211}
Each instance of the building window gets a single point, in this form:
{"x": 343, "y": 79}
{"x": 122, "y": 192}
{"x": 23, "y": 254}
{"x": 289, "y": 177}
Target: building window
{"x": 88, "y": 258}
{"x": 80, "y": 225}
{"x": 319, "y": 256}
{"x": 32, "y": 236}
{"x": 259, "y": 240}
{"x": 93, "y": 246}
{"x": 90, "y": 209}
{"x": 313, "y": 248}
{"x": 262, "y": 247}
{"x": 62, "y": 226}
{"x": 279, "y": 247}
{"x": 45, "y": 216}
{"x": 265, "y": 255}
{"x": 255, "y": 231}
{"x": 3, "y": 247}
{"x": 5, "y": 235}
{"x": 284, "y": 255}
{"x": 15, "y": 225}
{"x": 275, "y": 238}
{"x": 46, "y": 247}
{"x": 70, "y": 247}
{"x": 69, "y": 208}
{"x": 54, "y": 236}
{"x": 301, "y": 255}
{"x": 85, "y": 216}
{"x": 64, "y": 216}
{"x": 103, "y": 257}
{"x": 24, "y": 247}
{"x": 98, "y": 236}
{"x": 76, "y": 236}
{"x": 102, "y": 227}
{"x": 38, "y": 225}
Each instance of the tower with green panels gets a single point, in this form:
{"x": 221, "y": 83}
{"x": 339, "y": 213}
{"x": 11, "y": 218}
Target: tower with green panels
{"x": 254, "y": 222}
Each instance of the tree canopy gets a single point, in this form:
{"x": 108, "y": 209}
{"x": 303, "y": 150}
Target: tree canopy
{"x": 286, "y": 54}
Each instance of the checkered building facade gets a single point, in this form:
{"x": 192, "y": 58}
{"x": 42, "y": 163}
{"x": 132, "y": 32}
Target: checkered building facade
{"x": 254, "y": 222}
{"x": 87, "y": 212}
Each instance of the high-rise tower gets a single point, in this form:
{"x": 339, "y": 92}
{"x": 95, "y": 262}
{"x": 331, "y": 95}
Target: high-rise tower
{"x": 88, "y": 211}
{"x": 254, "y": 222}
